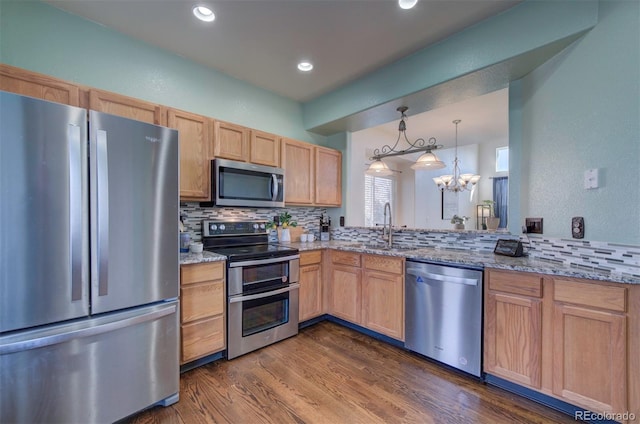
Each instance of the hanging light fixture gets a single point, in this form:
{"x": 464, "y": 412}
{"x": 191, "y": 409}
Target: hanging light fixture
{"x": 456, "y": 182}
{"x": 427, "y": 161}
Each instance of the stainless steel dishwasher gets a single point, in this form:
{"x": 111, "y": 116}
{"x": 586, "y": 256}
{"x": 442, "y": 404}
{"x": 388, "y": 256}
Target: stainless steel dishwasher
{"x": 443, "y": 314}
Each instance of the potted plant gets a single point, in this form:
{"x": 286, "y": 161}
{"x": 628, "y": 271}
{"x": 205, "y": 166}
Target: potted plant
{"x": 492, "y": 221}
{"x": 284, "y": 222}
{"x": 458, "y": 222}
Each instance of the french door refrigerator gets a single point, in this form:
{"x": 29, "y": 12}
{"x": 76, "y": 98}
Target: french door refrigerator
{"x": 88, "y": 264}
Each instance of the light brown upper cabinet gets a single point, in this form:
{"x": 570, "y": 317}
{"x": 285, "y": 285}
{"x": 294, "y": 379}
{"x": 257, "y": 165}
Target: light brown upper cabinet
{"x": 33, "y": 84}
{"x": 264, "y": 148}
{"x": 328, "y": 187}
{"x": 230, "y": 141}
{"x": 298, "y": 162}
{"x": 128, "y": 107}
{"x": 313, "y": 174}
{"x": 195, "y": 139}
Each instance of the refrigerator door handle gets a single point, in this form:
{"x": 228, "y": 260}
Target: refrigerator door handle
{"x": 74, "y": 140}
{"x": 103, "y": 212}
{"x": 65, "y": 335}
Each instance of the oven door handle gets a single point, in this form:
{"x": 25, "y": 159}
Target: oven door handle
{"x": 284, "y": 279}
{"x": 291, "y": 287}
{"x": 263, "y": 261}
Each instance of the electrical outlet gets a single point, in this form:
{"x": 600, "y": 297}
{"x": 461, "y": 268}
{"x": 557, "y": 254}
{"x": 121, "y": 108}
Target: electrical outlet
{"x": 577, "y": 227}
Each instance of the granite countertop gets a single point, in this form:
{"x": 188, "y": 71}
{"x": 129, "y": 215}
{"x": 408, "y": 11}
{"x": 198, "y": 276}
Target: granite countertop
{"x": 196, "y": 258}
{"x": 473, "y": 258}
{"x": 445, "y": 256}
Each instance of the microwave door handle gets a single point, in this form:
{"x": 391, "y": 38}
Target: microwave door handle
{"x": 274, "y": 187}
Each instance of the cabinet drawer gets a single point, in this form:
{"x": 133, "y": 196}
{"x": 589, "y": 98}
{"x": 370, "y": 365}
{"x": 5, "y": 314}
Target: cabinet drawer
{"x": 197, "y": 273}
{"x": 384, "y": 263}
{"x": 308, "y": 258}
{"x": 345, "y": 258}
{"x": 202, "y": 338}
{"x": 589, "y": 294}
{"x": 516, "y": 283}
{"x": 202, "y": 300}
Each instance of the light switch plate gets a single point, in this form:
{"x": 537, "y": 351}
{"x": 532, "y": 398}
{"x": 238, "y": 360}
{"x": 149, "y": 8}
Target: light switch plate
{"x": 591, "y": 177}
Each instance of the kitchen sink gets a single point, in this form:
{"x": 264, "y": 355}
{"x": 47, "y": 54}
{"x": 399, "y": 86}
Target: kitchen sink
{"x": 384, "y": 247}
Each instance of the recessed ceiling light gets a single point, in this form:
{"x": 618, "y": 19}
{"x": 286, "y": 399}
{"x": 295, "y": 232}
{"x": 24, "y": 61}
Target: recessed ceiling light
{"x": 407, "y": 4}
{"x": 305, "y": 66}
{"x": 204, "y": 13}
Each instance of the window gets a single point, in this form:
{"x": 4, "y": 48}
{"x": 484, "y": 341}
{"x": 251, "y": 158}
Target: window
{"x": 502, "y": 159}
{"x": 377, "y": 192}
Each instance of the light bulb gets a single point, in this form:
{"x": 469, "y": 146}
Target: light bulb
{"x": 204, "y": 13}
{"x": 407, "y": 4}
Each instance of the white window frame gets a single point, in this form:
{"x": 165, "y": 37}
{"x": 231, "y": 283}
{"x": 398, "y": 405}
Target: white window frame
{"x": 500, "y": 151}
{"x": 369, "y": 221}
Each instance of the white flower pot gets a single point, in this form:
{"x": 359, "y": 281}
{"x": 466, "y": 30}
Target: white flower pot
{"x": 285, "y": 235}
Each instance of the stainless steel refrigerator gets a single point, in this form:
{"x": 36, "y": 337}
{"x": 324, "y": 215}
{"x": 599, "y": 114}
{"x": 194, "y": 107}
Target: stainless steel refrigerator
{"x": 88, "y": 264}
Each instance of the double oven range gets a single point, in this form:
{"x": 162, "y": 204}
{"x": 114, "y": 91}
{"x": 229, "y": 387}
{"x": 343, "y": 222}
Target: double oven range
{"x": 262, "y": 284}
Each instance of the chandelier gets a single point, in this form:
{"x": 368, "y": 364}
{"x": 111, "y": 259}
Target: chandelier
{"x": 456, "y": 182}
{"x": 427, "y": 161}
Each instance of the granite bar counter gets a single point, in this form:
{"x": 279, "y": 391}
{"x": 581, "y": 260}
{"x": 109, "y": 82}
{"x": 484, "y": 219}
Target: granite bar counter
{"x": 471, "y": 257}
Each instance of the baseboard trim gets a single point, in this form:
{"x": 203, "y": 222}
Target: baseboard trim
{"x": 548, "y": 401}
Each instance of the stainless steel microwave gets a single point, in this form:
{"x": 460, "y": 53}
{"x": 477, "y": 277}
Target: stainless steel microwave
{"x": 245, "y": 184}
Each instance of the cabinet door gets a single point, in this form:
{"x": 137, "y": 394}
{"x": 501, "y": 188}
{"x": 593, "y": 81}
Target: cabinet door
{"x": 201, "y": 300}
{"x": 590, "y": 357}
{"x": 346, "y": 293}
{"x": 383, "y": 303}
{"x": 202, "y": 338}
{"x": 297, "y": 161}
{"x": 264, "y": 149}
{"x": 310, "y": 292}
{"x": 195, "y": 166}
{"x": 116, "y": 104}
{"x": 328, "y": 177}
{"x": 32, "y": 84}
{"x": 230, "y": 141}
{"x": 513, "y": 338}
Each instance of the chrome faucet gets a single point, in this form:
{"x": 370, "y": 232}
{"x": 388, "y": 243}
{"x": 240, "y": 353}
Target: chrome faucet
{"x": 389, "y": 236}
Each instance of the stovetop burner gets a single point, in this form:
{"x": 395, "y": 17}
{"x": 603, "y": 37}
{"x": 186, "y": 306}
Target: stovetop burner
{"x": 241, "y": 240}
{"x": 256, "y": 251}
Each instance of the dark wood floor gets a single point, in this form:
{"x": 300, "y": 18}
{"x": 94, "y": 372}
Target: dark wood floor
{"x": 331, "y": 374}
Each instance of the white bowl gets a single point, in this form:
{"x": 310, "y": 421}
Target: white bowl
{"x": 196, "y": 247}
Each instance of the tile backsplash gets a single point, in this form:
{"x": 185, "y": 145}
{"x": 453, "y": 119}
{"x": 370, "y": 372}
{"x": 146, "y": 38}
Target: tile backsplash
{"x": 193, "y": 214}
{"x": 587, "y": 255}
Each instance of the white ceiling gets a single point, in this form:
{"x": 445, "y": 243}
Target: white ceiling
{"x": 261, "y": 41}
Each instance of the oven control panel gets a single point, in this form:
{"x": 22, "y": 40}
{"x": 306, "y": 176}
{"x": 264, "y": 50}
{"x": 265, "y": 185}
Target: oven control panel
{"x": 233, "y": 228}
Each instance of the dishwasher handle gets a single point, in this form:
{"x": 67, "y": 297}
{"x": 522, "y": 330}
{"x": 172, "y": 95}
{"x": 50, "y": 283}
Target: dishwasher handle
{"x": 444, "y": 278}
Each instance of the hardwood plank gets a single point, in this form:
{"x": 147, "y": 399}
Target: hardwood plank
{"x": 331, "y": 374}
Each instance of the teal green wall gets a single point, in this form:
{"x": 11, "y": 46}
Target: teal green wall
{"x": 44, "y": 39}
{"x": 581, "y": 110}
{"x": 519, "y": 30}
{"x": 577, "y": 111}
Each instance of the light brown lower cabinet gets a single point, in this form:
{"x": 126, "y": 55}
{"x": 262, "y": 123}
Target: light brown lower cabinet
{"x": 311, "y": 293}
{"x": 368, "y": 290}
{"x": 202, "y": 310}
{"x": 346, "y": 292}
{"x": 568, "y": 338}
